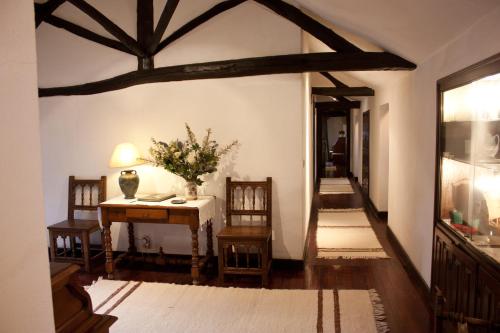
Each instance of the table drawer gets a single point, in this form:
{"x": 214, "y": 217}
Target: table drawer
{"x": 117, "y": 215}
{"x": 146, "y": 214}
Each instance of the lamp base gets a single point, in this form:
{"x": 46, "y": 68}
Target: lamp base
{"x": 129, "y": 183}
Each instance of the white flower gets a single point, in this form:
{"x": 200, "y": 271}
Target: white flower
{"x": 177, "y": 154}
{"x": 191, "y": 158}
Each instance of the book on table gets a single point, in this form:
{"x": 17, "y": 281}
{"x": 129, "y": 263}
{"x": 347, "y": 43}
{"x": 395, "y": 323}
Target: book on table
{"x": 155, "y": 197}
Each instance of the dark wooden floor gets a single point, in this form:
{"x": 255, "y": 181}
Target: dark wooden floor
{"x": 405, "y": 304}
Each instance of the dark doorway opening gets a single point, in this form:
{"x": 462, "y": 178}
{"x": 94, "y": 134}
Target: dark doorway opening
{"x": 332, "y": 144}
{"x": 365, "y": 179}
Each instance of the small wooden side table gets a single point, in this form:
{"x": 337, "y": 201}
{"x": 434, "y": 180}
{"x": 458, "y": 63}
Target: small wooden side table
{"x": 193, "y": 214}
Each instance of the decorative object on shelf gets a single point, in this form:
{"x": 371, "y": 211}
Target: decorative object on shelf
{"x": 189, "y": 159}
{"x": 490, "y": 145}
{"x": 126, "y": 155}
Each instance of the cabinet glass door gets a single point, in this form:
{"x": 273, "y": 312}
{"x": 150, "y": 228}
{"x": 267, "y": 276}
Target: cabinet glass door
{"x": 470, "y": 162}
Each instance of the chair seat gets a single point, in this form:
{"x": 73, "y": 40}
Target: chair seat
{"x": 246, "y": 232}
{"x": 79, "y": 225}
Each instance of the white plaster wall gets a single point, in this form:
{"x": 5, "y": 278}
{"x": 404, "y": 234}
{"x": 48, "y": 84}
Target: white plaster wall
{"x": 308, "y": 139}
{"x": 379, "y": 151}
{"x": 355, "y": 143}
{"x": 25, "y": 294}
{"x": 264, "y": 113}
{"x": 357, "y": 139}
{"x": 412, "y": 101}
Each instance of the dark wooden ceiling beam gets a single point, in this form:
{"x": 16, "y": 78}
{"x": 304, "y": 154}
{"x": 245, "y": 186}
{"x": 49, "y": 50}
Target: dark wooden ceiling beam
{"x": 334, "y": 113}
{"x": 197, "y": 21}
{"x": 166, "y": 16}
{"x": 338, "y": 105}
{"x": 145, "y": 31}
{"x": 42, "y": 11}
{"x": 318, "y": 30}
{"x": 344, "y": 91}
{"x": 87, "y": 34}
{"x": 336, "y": 82}
{"x": 109, "y": 26}
{"x": 292, "y": 63}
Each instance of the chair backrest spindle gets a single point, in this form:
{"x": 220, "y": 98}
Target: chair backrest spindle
{"x": 85, "y": 186}
{"x": 253, "y": 191}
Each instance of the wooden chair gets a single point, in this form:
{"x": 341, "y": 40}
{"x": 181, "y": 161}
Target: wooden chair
{"x": 245, "y": 244}
{"x": 73, "y": 228}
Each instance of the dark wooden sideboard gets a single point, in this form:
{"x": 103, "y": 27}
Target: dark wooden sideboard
{"x": 465, "y": 283}
{"x": 72, "y": 305}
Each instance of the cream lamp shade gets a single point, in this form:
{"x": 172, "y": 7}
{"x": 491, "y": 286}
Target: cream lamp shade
{"x": 125, "y": 155}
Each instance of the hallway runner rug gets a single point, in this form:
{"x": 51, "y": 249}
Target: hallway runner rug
{"x": 335, "y": 181}
{"x": 346, "y": 234}
{"x": 348, "y": 243}
{"x": 335, "y": 189}
{"x": 163, "y": 307}
{"x": 342, "y": 218}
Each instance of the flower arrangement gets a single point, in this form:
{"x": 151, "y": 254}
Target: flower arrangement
{"x": 189, "y": 159}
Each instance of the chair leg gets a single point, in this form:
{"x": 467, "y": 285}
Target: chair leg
{"x": 265, "y": 280}
{"x": 53, "y": 245}
{"x": 221, "y": 261}
{"x": 270, "y": 255}
{"x": 72, "y": 242}
{"x": 86, "y": 250}
{"x": 265, "y": 263}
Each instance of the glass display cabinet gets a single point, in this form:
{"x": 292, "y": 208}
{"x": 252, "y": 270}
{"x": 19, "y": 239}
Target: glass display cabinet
{"x": 466, "y": 254}
{"x": 470, "y": 162}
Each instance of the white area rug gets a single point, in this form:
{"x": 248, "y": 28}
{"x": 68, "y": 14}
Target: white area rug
{"x": 343, "y": 219}
{"x": 341, "y": 209}
{"x": 335, "y": 181}
{"x": 335, "y": 189}
{"x": 161, "y": 307}
{"x": 348, "y": 243}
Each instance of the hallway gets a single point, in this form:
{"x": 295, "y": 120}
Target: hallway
{"x": 403, "y": 299}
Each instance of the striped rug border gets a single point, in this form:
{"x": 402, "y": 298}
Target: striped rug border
{"x": 127, "y": 294}
{"x": 111, "y": 296}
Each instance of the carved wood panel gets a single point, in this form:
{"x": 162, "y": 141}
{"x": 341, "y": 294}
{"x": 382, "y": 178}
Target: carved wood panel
{"x": 488, "y": 298}
{"x": 470, "y": 292}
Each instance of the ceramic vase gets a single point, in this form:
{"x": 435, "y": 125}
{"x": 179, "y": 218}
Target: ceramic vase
{"x": 191, "y": 191}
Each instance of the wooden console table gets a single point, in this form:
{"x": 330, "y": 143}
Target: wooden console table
{"x": 194, "y": 214}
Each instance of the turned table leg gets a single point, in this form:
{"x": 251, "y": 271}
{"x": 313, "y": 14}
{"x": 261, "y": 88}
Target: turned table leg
{"x": 210, "y": 242}
{"x": 106, "y": 224}
{"x": 195, "y": 268}
{"x": 131, "y": 238}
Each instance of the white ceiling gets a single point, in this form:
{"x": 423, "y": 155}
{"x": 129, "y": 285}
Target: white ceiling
{"x": 413, "y": 29}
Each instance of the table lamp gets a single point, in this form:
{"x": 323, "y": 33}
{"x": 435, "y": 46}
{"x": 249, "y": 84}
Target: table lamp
{"x": 126, "y": 155}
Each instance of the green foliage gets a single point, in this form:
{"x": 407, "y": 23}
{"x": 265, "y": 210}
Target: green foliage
{"x": 188, "y": 158}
